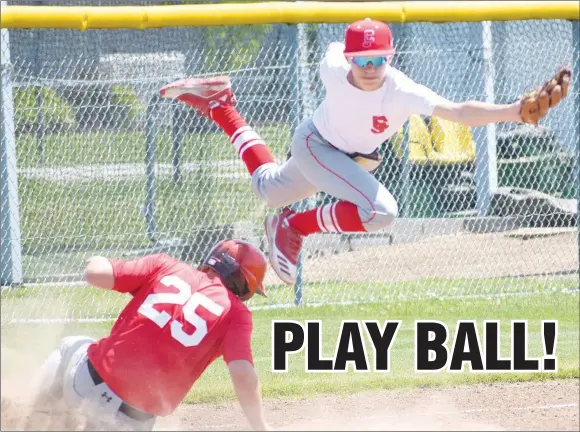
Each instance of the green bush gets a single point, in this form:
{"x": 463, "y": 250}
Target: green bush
{"x": 100, "y": 106}
{"x": 131, "y": 109}
{"x": 57, "y": 114}
{"x": 233, "y": 48}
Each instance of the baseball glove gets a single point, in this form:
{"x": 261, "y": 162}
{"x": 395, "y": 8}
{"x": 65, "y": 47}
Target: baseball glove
{"x": 536, "y": 105}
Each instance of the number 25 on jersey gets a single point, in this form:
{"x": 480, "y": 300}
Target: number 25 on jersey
{"x": 189, "y": 304}
{"x": 380, "y": 124}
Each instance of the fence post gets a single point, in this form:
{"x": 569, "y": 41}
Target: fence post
{"x": 11, "y": 246}
{"x": 406, "y": 174}
{"x": 39, "y": 97}
{"x": 150, "y": 143}
{"x": 302, "y": 96}
{"x": 576, "y": 86}
{"x": 177, "y": 139}
{"x": 294, "y": 83}
{"x": 486, "y": 148}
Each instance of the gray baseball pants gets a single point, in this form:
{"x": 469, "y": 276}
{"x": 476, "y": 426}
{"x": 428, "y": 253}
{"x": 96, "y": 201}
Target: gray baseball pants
{"x": 65, "y": 375}
{"x": 315, "y": 165}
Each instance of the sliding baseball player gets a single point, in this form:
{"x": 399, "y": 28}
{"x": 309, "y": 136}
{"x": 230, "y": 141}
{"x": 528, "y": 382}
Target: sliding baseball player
{"x": 179, "y": 320}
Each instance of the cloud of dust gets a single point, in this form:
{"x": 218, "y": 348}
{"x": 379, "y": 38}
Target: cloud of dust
{"x": 30, "y": 346}
{"x": 21, "y": 364}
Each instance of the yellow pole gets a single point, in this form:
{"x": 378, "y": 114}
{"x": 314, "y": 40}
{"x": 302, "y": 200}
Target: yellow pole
{"x": 143, "y": 17}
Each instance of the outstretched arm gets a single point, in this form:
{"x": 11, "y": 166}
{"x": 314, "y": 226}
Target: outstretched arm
{"x": 530, "y": 108}
{"x": 475, "y": 113}
{"x": 247, "y": 387}
{"x": 237, "y": 353}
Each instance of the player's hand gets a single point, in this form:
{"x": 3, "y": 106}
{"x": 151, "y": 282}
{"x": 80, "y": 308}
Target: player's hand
{"x": 536, "y": 105}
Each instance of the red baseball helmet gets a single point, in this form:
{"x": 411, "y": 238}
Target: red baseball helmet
{"x": 241, "y": 266}
{"x": 368, "y": 38}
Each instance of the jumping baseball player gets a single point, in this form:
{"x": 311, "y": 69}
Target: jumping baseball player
{"x": 179, "y": 320}
{"x": 366, "y": 102}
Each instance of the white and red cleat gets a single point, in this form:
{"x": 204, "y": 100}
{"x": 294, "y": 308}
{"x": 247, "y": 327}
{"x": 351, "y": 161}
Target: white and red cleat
{"x": 203, "y": 94}
{"x": 284, "y": 245}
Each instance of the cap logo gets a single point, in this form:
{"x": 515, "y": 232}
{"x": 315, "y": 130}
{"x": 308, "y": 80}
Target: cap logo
{"x": 368, "y": 38}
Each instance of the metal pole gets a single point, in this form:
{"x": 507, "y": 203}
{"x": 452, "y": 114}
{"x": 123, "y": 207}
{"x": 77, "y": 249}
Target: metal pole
{"x": 150, "y": 142}
{"x": 294, "y": 122}
{"x": 576, "y": 86}
{"x": 11, "y": 244}
{"x": 39, "y": 98}
{"x": 177, "y": 139}
{"x": 302, "y": 108}
{"x": 486, "y": 154}
{"x": 406, "y": 174}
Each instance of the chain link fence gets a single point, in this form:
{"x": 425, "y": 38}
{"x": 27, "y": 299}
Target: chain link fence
{"x": 102, "y": 166}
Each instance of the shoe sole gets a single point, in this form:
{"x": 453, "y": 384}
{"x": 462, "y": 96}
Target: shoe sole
{"x": 270, "y": 238}
{"x": 195, "y": 86}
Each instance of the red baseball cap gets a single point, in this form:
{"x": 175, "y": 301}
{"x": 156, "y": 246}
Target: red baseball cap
{"x": 368, "y": 38}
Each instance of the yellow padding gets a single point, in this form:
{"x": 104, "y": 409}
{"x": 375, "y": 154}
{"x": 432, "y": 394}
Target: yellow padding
{"x": 452, "y": 142}
{"x": 442, "y": 142}
{"x": 419, "y": 141}
{"x": 281, "y": 12}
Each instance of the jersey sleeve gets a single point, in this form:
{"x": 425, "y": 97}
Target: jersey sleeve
{"x": 237, "y": 343}
{"x": 333, "y": 64}
{"x": 130, "y": 275}
{"x": 415, "y": 97}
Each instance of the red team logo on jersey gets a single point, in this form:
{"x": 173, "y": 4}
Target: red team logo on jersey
{"x": 380, "y": 124}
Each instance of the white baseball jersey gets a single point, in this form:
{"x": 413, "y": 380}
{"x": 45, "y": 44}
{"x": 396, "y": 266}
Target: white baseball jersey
{"x": 357, "y": 121}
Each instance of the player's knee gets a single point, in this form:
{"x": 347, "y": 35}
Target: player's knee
{"x": 271, "y": 200}
{"x": 383, "y": 213}
{"x": 387, "y": 213}
{"x": 263, "y": 181}
{"x": 68, "y": 345}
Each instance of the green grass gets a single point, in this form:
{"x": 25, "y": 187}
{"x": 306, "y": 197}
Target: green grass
{"x": 84, "y": 148}
{"x": 215, "y": 386}
{"x": 99, "y": 213}
{"x": 83, "y": 302}
{"x": 110, "y": 213}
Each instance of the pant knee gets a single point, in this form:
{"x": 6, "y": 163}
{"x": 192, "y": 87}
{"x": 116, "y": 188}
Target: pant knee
{"x": 382, "y": 215}
{"x": 274, "y": 189}
{"x": 259, "y": 179}
{"x": 271, "y": 200}
{"x": 72, "y": 343}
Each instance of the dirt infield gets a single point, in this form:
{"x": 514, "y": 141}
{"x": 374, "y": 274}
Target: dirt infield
{"x": 551, "y": 405}
{"x": 464, "y": 255}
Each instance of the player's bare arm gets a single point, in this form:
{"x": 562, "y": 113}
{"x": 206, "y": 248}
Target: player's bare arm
{"x": 247, "y": 388}
{"x": 530, "y": 109}
{"x": 476, "y": 113}
{"x": 237, "y": 354}
{"x": 99, "y": 272}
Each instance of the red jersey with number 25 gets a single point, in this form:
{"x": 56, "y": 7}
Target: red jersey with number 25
{"x": 177, "y": 323}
